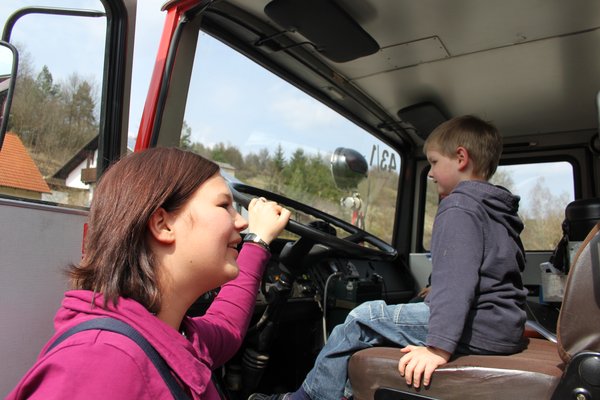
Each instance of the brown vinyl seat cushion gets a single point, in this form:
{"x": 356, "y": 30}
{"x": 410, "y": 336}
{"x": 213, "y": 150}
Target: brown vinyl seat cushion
{"x": 531, "y": 374}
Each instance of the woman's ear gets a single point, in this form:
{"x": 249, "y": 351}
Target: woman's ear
{"x": 160, "y": 226}
{"x": 462, "y": 155}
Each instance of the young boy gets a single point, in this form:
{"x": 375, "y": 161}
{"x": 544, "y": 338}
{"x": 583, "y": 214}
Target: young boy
{"x": 476, "y": 303}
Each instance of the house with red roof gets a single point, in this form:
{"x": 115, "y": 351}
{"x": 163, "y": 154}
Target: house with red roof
{"x": 74, "y": 182}
{"x": 19, "y": 176}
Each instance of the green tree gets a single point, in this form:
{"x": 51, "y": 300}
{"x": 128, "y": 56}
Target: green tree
{"x": 295, "y": 173}
{"x": 264, "y": 159}
{"x": 543, "y": 221}
{"x": 503, "y": 178}
{"x": 228, "y": 154}
{"x": 185, "y": 142}
{"x": 45, "y": 83}
{"x": 255, "y": 165}
{"x": 199, "y": 148}
{"x": 275, "y": 166}
{"x": 79, "y": 105}
{"x": 26, "y": 102}
{"x": 53, "y": 120}
{"x": 279, "y": 162}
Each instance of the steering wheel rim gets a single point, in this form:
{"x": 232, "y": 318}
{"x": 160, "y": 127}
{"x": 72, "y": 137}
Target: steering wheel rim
{"x": 349, "y": 246}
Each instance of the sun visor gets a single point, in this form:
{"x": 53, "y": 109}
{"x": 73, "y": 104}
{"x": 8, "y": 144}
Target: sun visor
{"x": 333, "y": 32}
{"x": 424, "y": 117}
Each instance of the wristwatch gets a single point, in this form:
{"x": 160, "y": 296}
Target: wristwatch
{"x": 254, "y": 238}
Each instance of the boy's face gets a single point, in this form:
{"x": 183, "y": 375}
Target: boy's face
{"x": 444, "y": 171}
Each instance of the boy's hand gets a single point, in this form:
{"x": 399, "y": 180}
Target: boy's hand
{"x": 424, "y": 292}
{"x": 420, "y": 361}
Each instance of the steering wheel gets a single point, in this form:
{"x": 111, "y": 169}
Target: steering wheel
{"x": 348, "y": 246}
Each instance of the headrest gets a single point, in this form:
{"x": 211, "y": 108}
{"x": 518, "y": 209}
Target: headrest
{"x": 579, "y": 320}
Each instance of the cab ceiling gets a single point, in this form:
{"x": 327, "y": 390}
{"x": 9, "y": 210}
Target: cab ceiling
{"x": 529, "y": 66}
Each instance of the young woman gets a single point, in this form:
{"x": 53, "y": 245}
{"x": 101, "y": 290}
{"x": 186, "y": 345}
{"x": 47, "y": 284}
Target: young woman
{"x": 162, "y": 232}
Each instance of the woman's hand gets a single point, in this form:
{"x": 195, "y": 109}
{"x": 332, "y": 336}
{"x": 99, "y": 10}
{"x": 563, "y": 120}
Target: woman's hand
{"x": 420, "y": 361}
{"x": 266, "y": 218}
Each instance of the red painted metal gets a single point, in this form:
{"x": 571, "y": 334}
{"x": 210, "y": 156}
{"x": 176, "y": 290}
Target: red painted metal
{"x": 175, "y": 10}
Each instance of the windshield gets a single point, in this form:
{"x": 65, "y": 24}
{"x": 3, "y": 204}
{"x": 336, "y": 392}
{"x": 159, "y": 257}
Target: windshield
{"x": 267, "y": 133}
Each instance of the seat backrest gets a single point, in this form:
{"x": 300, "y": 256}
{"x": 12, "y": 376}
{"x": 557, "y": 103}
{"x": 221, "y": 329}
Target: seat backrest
{"x": 579, "y": 320}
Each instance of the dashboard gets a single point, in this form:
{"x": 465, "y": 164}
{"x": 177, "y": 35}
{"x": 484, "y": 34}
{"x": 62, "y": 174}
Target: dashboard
{"x": 327, "y": 284}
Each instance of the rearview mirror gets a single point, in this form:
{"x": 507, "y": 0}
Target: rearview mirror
{"x": 348, "y": 168}
{"x": 8, "y": 73}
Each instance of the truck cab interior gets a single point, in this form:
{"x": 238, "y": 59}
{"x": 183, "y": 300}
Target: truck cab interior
{"x": 324, "y": 106}
{"x": 398, "y": 69}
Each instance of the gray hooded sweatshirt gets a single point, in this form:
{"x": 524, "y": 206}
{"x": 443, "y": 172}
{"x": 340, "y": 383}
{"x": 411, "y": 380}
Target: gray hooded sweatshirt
{"x": 477, "y": 297}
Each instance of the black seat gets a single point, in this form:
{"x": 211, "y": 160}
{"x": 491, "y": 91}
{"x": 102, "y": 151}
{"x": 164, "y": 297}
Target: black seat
{"x": 568, "y": 369}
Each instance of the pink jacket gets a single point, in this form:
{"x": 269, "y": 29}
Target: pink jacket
{"x": 105, "y": 365}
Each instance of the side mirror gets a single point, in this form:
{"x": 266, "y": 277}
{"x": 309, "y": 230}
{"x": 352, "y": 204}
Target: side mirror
{"x": 8, "y": 73}
{"x": 348, "y": 168}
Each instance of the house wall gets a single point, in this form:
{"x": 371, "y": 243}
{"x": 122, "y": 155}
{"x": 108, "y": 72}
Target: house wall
{"x": 74, "y": 178}
{"x": 20, "y": 193}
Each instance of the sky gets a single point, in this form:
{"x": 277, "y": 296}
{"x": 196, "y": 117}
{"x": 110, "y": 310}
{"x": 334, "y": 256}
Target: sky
{"x": 47, "y": 35}
{"x": 228, "y": 88}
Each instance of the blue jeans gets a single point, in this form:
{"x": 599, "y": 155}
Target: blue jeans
{"x": 371, "y": 324}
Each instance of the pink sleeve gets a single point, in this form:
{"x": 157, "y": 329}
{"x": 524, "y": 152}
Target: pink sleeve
{"x": 224, "y": 325}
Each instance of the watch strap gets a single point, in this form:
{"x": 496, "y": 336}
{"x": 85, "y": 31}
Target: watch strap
{"x": 256, "y": 239}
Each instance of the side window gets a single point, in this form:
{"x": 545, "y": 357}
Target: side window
{"x": 50, "y": 151}
{"x": 545, "y": 190}
{"x": 269, "y": 134}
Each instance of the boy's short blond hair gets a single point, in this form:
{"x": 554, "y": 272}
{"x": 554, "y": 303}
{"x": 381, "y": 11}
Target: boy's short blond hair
{"x": 481, "y": 139}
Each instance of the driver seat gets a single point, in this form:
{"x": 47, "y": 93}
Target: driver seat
{"x": 568, "y": 369}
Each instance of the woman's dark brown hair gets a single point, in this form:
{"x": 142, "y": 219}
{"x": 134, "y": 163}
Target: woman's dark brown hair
{"x": 118, "y": 261}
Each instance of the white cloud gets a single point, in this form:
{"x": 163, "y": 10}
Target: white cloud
{"x": 302, "y": 113}
{"x": 204, "y": 134}
{"x": 258, "y": 140}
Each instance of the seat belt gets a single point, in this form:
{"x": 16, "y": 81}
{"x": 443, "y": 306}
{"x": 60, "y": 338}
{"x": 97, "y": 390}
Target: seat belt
{"x": 116, "y": 326}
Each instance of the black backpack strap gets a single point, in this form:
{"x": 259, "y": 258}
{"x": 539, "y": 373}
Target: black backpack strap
{"x": 116, "y": 326}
